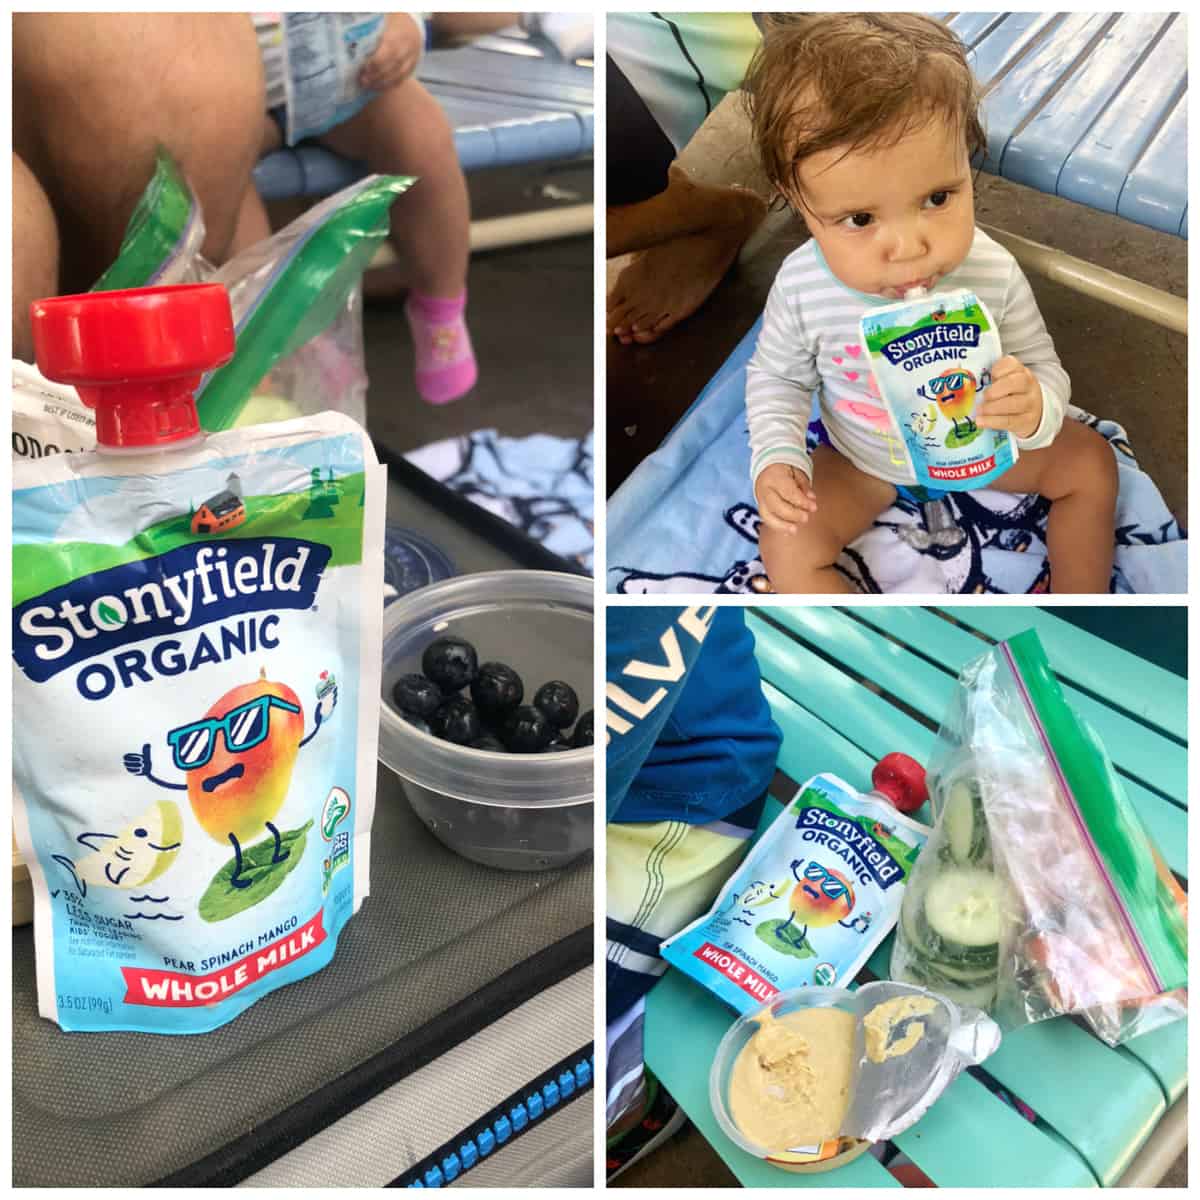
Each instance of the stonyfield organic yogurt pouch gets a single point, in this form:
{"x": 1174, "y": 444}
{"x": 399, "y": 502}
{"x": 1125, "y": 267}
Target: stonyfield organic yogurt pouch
{"x": 931, "y": 357}
{"x": 819, "y": 890}
{"x": 196, "y": 647}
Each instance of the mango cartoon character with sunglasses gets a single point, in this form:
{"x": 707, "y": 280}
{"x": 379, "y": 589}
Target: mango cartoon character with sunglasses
{"x": 821, "y": 897}
{"x": 954, "y": 392}
{"x": 238, "y": 760}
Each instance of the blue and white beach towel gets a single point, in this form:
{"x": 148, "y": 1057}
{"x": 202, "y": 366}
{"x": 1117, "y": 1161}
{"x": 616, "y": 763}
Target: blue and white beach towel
{"x": 541, "y": 484}
{"x": 685, "y": 521}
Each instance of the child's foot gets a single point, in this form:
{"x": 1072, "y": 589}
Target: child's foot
{"x": 446, "y": 366}
{"x": 667, "y": 283}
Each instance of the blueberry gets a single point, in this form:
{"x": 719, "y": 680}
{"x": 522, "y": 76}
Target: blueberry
{"x": 456, "y": 721}
{"x": 558, "y": 745}
{"x": 527, "y": 731}
{"x": 489, "y": 742}
{"x": 558, "y": 701}
{"x": 415, "y": 722}
{"x": 497, "y": 689}
{"x": 451, "y": 663}
{"x": 583, "y": 735}
{"x": 417, "y": 696}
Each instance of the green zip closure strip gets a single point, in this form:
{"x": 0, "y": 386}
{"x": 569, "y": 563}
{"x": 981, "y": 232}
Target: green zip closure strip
{"x": 1110, "y": 828}
{"x": 302, "y": 296}
{"x": 159, "y": 226}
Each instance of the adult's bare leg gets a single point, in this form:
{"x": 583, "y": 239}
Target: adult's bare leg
{"x": 34, "y": 253}
{"x": 683, "y": 208}
{"x": 96, "y": 94}
{"x": 404, "y": 131}
{"x": 716, "y": 198}
{"x": 848, "y": 501}
{"x": 697, "y": 231}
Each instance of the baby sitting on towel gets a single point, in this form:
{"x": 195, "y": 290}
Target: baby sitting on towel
{"x": 866, "y": 123}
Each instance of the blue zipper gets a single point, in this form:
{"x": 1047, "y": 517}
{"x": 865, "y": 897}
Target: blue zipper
{"x": 508, "y": 1120}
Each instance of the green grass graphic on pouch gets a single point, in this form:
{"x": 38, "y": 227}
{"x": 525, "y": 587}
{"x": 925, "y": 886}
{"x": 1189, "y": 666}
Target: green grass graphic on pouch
{"x": 39, "y": 567}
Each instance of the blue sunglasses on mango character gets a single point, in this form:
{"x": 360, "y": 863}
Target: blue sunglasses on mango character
{"x": 238, "y": 761}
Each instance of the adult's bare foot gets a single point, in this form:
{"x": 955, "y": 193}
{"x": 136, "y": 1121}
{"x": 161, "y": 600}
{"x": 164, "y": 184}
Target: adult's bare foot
{"x": 665, "y": 284}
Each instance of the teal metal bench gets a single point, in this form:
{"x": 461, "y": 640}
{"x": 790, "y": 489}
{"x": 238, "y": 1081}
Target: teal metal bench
{"x": 846, "y": 686}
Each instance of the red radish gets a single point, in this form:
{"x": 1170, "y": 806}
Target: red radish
{"x": 902, "y": 780}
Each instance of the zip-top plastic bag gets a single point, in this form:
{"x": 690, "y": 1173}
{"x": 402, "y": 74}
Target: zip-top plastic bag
{"x": 197, "y": 628}
{"x": 1040, "y": 892}
{"x": 819, "y": 890}
{"x": 296, "y": 296}
{"x": 931, "y": 356}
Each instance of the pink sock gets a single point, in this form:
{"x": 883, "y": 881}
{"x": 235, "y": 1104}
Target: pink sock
{"x": 445, "y": 361}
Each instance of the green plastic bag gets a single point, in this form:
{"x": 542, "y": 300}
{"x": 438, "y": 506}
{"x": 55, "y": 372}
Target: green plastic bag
{"x": 296, "y": 297}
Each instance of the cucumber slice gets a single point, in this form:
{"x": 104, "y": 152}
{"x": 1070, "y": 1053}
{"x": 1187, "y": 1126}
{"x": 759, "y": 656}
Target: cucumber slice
{"x": 956, "y": 973}
{"x": 962, "y": 906}
{"x": 964, "y": 823}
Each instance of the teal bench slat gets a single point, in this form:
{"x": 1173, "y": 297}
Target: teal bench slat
{"x": 1017, "y": 95}
{"x": 1164, "y": 1052}
{"x": 1150, "y": 196}
{"x": 809, "y": 681}
{"x": 1096, "y": 170}
{"x": 1155, "y": 696}
{"x": 921, "y": 685}
{"x": 1035, "y": 156}
{"x": 929, "y": 690}
{"x": 810, "y": 746}
{"x": 1103, "y": 1103}
{"x": 684, "y": 1024}
{"x": 971, "y": 1135}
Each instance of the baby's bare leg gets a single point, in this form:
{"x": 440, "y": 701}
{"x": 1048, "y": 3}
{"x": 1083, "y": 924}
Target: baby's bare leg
{"x": 848, "y": 500}
{"x": 404, "y": 131}
{"x": 1077, "y": 473}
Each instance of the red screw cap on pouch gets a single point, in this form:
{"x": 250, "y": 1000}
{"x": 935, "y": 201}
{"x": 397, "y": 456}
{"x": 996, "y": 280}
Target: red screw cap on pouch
{"x": 136, "y": 356}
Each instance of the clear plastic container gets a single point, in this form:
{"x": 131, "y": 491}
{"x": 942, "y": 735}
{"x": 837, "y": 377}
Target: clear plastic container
{"x": 887, "y": 1096}
{"x": 524, "y": 812}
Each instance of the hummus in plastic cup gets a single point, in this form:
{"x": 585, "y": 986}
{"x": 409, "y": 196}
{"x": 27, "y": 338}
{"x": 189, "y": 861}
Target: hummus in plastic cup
{"x": 781, "y": 1082}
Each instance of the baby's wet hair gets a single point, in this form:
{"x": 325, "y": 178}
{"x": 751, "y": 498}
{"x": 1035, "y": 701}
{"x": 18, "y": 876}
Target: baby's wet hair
{"x": 856, "y": 81}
